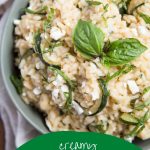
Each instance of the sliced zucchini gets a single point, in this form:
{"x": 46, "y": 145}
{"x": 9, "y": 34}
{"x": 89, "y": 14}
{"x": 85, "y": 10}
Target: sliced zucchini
{"x": 70, "y": 85}
{"x": 100, "y": 128}
{"x": 129, "y": 119}
{"x": 101, "y": 103}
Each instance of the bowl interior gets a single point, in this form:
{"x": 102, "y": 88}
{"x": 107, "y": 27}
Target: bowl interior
{"x": 7, "y": 69}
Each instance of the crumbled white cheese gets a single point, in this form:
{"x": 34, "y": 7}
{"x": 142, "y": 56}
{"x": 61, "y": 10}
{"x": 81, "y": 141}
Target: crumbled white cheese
{"x": 134, "y": 31}
{"x": 24, "y": 94}
{"x": 64, "y": 88}
{"x": 37, "y": 91}
{"x": 56, "y": 33}
{"x": 83, "y": 84}
{"x": 59, "y": 80}
{"x": 143, "y": 30}
{"x": 40, "y": 65}
{"x": 16, "y": 22}
{"x": 133, "y": 86}
{"x": 55, "y": 93}
{"x": 77, "y": 107}
{"x": 95, "y": 94}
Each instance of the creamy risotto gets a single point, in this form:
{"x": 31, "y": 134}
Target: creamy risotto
{"x": 85, "y": 64}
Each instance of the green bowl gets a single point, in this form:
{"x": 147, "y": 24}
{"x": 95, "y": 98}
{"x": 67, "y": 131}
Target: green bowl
{"x": 7, "y": 70}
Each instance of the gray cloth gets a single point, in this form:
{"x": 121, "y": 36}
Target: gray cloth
{"x": 17, "y": 129}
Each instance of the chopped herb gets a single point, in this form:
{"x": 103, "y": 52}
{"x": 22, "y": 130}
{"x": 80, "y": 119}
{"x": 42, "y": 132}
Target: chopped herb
{"x": 51, "y": 47}
{"x": 106, "y": 8}
{"x": 124, "y": 70}
{"x": 46, "y": 25}
{"x": 70, "y": 85}
{"x": 17, "y": 82}
{"x": 146, "y": 90}
{"x": 140, "y": 126}
{"x": 136, "y": 130}
{"x": 123, "y": 6}
{"x": 41, "y": 11}
{"x": 145, "y": 17}
{"x": 92, "y": 2}
{"x": 50, "y": 17}
{"x": 142, "y": 105}
{"x": 37, "y": 42}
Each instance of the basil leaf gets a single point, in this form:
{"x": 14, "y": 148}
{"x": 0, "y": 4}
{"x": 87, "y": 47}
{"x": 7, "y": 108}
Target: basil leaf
{"x": 41, "y": 11}
{"x": 145, "y": 17}
{"x": 123, "y": 51}
{"x": 17, "y": 82}
{"x": 91, "y": 2}
{"x": 124, "y": 70}
{"x": 88, "y": 39}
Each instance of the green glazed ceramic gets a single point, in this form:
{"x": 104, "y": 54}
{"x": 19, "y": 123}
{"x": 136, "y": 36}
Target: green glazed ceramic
{"x": 7, "y": 69}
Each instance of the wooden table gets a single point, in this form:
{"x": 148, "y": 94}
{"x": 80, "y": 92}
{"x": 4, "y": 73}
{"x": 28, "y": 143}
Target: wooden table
{"x": 1, "y": 136}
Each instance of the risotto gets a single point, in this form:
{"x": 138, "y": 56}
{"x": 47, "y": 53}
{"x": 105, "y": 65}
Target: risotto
{"x": 85, "y": 64}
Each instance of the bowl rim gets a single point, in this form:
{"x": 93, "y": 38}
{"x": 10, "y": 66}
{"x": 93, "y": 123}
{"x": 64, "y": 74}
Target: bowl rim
{"x": 29, "y": 120}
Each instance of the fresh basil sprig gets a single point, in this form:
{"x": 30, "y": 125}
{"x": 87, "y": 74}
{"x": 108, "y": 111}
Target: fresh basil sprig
{"x": 92, "y": 2}
{"x": 145, "y": 17}
{"x": 70, "y": 84}
{"x": 88, "y": 39}
{"x": 123, "y": 51}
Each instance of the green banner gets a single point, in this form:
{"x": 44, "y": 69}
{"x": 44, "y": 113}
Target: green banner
{"x": 77, "y": 141}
